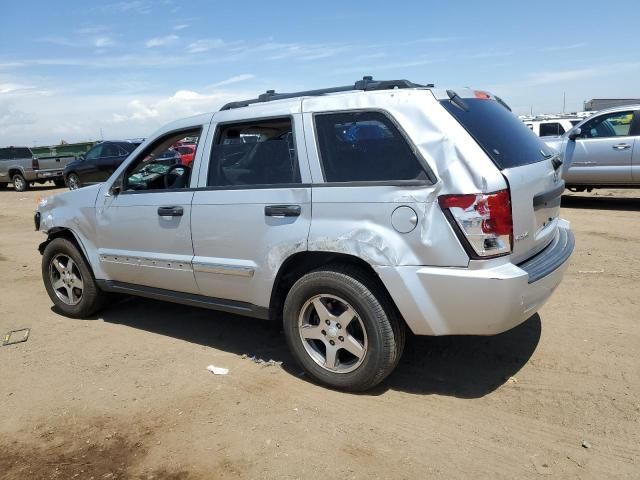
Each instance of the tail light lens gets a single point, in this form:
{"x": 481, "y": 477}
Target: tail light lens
{"x": 35, "y": 164}
{"x": 482, "y": 220}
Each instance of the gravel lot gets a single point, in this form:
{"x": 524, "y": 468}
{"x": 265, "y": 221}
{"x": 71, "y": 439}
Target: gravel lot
{"x": 127, "y": 394}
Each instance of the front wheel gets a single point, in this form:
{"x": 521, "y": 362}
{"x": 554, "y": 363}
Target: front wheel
{"x": 19, "y": 183}
{"x": 69, "y": 281}
{"x": 342, "y": 328}
{"x": 73, "y": 181}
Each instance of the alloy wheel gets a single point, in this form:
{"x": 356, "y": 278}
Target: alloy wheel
{"x": 332, "y": 333}
{"x": 66, "y": 279}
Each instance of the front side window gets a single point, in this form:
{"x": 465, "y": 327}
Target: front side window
{"x": 160, "y": 166}
{"x": 94, "y": 153}
{"x": 260, "y": 152}
{"x": 364, "y": 147}
{"x": 551, "y": 128}
{"x": 616, "y": 124}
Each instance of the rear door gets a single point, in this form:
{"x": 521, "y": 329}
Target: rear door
{"x": 534, "y": 181}
{"x": 110, "y": 159}
{"x": 603, "y": 153}
{"x": 253, "y": 207}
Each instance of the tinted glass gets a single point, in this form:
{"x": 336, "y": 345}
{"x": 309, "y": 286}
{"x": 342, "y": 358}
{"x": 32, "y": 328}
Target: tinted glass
{"x": 110, "y": 150}
{"x": 548, "y": 129}
{"x": 260, "y": 153}
{"x": 128, "y": 146}
{"x": 364, "y": 147}
{"x": 94, "y": 153}
{"x": 507, "y": 141}
{"x": 611, "y": 125}
{"x": 4, "y": 154}
{"x": 21, "y": 152}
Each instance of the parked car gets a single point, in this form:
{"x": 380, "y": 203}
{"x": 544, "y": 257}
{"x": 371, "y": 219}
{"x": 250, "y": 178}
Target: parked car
{"x": 20, "y": 167}
{"x": 349, "y": 216}
{"x": 186, "y": 153}
{"x": 602, "y": 150}
{"x": 98, "y": 163}
{"x": 551, "y": 127}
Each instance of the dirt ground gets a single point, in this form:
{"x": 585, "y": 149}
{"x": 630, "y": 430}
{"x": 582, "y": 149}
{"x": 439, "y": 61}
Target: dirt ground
{"x": 127, "y": 394}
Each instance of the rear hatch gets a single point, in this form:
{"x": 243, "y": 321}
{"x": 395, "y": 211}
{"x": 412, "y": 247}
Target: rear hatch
{"x": 530, "y": 167}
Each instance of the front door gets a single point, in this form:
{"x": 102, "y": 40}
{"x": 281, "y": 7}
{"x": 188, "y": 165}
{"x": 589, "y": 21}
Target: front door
{"x": 602, "y": 154}
{"x": 144, "y": 230}
{"x": 253, "y": 209}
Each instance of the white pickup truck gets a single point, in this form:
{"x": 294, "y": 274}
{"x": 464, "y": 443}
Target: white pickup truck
{"x": 19, "y": 166}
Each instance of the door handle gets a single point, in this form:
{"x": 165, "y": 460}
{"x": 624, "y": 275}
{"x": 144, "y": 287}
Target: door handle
{"x": 282, "y": 210}
{"x": 621, "y": 146}
{"x": 170, "y": 211}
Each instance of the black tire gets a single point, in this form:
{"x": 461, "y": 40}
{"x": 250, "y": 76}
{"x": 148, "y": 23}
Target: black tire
{"x": 59, "y": 183}
{"x": 19, "y": 183}
{"x": 385, "y": 330}
{"x": 73, "y": 181}
{"x": 92, "y": 298}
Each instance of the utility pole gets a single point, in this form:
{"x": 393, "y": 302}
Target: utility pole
{"x": 101, "y": 135}
{"x": 564, "y": 101}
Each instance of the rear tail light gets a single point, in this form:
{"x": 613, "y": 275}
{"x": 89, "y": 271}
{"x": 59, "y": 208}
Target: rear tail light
{"x": 482, "y": 220}
{"x": 35, "y": 164}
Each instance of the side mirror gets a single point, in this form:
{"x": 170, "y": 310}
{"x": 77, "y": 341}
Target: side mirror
{"x": 115, "y": 188}
{"x": 575, "y": 133}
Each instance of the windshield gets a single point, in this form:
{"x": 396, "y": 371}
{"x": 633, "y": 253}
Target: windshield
{"x": 507, "y": 141}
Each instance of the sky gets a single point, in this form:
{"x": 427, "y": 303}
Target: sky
{"x": 81, "y": 70}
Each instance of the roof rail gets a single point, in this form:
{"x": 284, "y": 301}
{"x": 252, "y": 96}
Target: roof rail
{"x": 366, "y": 84}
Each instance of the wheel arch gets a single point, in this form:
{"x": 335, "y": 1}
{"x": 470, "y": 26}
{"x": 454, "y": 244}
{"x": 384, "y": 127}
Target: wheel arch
{"x": 301, "y": 263}
{"x": 64, "y": 232}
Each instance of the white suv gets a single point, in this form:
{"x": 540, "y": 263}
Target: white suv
{"x": 348, "y": 214}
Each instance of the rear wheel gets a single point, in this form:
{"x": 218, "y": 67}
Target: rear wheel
{"x": 19, "y": 183}
{"x": 342, "y": 328}
{"x": 73, "y": 181}
{"x": 69, "y": 280}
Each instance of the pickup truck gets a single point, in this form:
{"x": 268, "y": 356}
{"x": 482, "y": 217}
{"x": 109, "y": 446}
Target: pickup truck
{"x": 19, "y": 166}
{"x": 602, "y": 151}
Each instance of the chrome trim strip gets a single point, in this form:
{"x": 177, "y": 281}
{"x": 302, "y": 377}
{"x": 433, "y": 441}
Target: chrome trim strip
{"x": 146, "y": 262}
{"x": 221, "y": 269}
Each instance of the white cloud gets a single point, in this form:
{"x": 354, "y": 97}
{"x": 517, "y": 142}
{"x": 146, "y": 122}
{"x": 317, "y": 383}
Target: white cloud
{"x": 181, "y": 26}
{"x": 204, "y": 45}
{"x": 102, "y": 42}
{"x": 236, "y": 79}
{"x": 6, "y": 88}
{"x": 161, "y": 41}
{"x": 136, "y": 6}
{"x": 572, "y": 46}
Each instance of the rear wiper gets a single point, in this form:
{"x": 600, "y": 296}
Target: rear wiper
{"x": 502, "y": 102}
{"x": 457, "y": 100}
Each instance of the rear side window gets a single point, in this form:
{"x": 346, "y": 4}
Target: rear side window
{"x": 4, "y": 154}
{"x": 507, "y": 141}
{"x": 549, "y": 129}
{"x": 254, "y": 153}
{"x": 364, "y": 147}
{"x": 21, "y": 152}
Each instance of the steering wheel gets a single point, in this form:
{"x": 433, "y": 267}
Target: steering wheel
{"x": 187, "y": 171}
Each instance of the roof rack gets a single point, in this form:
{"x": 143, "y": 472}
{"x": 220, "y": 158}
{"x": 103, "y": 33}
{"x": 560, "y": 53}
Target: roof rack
{"x": 366, "y": 84}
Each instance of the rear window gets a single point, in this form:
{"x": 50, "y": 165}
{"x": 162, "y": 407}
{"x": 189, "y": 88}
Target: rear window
{"x": 507, "y": 141}
{"x": 21, "y": 152}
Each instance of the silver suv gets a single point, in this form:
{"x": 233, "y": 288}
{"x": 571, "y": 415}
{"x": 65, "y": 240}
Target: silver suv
{"x": 349, "y": 214}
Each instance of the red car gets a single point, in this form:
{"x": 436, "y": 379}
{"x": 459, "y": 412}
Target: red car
{"x": 186, "y": 153}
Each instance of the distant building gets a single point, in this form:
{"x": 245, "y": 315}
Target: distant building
{"x": 601, "y": 103}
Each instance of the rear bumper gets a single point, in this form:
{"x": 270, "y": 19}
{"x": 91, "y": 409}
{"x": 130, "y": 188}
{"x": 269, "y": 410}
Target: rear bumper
{"x": 49, "y": 174}
{"x": 485, "y": 299}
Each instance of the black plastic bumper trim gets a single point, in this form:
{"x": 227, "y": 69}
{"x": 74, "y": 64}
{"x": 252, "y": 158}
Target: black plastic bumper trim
{"x": 552, "y": 257}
